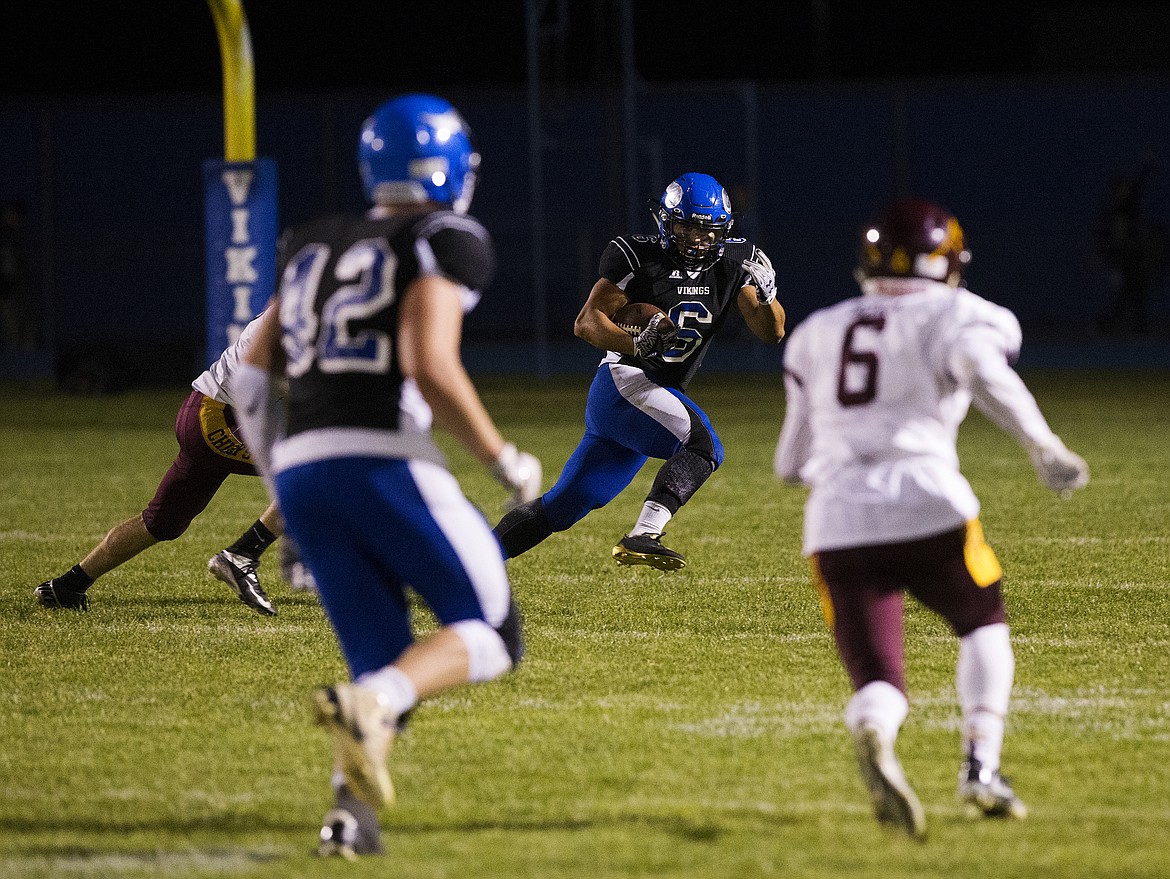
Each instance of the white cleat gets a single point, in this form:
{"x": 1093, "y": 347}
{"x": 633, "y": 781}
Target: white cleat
{"x": 894, "y": 801}
{"x": 363, "y": 729}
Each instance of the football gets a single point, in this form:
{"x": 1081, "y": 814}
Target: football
{"x": 634, "y": 316}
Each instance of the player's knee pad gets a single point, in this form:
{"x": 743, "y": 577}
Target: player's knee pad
{"x": 162, "y": 526}
{"x": 523, "y": 528}
{"x": 680, "y": 477}
{"x": 703, "y": 440}
{"x": 487, "y": 655}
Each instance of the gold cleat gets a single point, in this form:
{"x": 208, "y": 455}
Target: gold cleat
{"x": 363, "y": 730}
{"x": 647, "y": 549}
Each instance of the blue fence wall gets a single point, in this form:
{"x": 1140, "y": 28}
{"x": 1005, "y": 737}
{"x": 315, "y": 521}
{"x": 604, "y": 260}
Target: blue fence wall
{"x": 115, "y": 202}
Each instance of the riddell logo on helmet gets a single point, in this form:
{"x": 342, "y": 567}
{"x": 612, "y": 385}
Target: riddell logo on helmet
{"x": 931, "y": 265}
{"x": 426, "y": 169}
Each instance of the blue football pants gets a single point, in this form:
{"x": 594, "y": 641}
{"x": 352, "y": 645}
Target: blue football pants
{"x": 628, "y": 420}
{"x": 370, "y": 527}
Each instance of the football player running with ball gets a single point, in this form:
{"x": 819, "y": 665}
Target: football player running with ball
{"x": 366, "y": 327}
{"x": 637, "y": 406}
{"x": 876, "y": 388}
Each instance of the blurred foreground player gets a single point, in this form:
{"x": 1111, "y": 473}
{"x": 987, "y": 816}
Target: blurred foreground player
{"x": 876, "y": 388}
{"x": 637, "y": 407}
{"x": 366, "y": 327}
{"x": 210, "y": 449}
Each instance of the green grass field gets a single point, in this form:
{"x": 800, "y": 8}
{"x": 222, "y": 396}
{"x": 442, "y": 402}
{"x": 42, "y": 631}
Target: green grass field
{"x": 681, "y": 725}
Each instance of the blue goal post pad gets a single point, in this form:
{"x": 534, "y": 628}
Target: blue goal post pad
{"x": 240, "y": 223}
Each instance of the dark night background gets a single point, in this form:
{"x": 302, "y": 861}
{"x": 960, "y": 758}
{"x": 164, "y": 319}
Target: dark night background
{"x": 152, "y": 47}
{"x": 1016, "y": 116}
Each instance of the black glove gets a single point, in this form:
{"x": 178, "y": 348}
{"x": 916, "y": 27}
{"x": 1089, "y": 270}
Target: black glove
{"x": 658, "y": 337}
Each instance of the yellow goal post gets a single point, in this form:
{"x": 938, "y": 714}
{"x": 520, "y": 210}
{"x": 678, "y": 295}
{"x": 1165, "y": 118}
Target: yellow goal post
{"x": 239, "y": 196}
{"x": 239, "y": 82}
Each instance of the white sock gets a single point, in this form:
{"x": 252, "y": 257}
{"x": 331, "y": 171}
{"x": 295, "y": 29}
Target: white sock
{"x": 983, "y": 678}
{"x": 391, "y": 682}
{"x": 878, "y": 704}
{"x": 652, "y": 521}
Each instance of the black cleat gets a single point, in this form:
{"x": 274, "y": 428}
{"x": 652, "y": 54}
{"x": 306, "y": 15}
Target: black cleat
{"x": 647, "y": 549}
{"x": 350, "y": 829}
{"x": 338, "y": 835}
{"x": 239, "y": 572}
{"x": 53, "y": 595}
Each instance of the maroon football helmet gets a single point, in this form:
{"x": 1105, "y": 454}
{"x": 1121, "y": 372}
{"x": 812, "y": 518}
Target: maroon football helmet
{"x": 913, "y": 238}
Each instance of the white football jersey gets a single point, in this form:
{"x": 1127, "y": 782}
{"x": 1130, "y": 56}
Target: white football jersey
{"x": 876, "y": 388}
{"x": 216, "y": 381}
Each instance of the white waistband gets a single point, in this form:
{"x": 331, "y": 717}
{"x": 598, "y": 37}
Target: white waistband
{"x": 353, "y": 442}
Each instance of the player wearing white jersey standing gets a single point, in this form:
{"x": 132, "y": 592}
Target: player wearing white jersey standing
{"x": 876, "y": 388}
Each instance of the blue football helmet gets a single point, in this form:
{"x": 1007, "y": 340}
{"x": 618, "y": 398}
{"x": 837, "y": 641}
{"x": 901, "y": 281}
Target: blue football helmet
{"x": 417, "y": 148}
{"x": 694, "y": 219}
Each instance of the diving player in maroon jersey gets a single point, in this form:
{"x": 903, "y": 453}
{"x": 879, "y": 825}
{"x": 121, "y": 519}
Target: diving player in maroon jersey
{"x": 637, "y": 406}
{"x": 210, "y": 449}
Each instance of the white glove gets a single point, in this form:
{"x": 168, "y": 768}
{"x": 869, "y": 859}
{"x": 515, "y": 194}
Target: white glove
{"x": 658, "y": 337}
{"x": 519, "y": 472}
{"x": 763, "y": 276}
{"x": 1059, "y": 469}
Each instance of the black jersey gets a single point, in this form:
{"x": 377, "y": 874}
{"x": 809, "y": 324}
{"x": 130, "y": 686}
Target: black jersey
{"x": 342, "y": 282}
{"x": 697, "y": 301}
